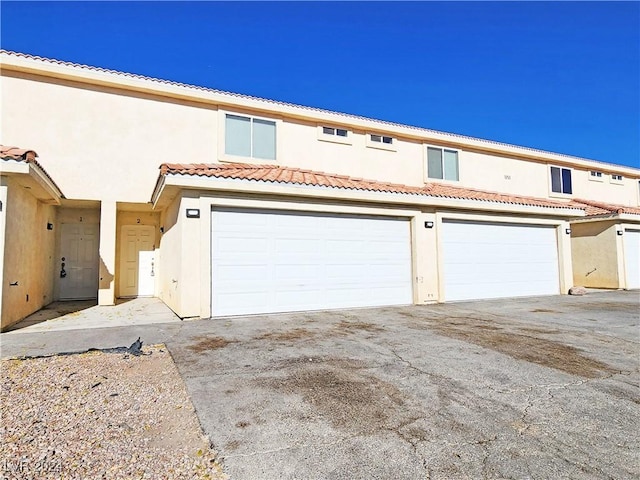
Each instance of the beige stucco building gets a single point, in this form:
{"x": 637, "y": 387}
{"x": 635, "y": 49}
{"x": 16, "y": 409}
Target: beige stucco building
{"x": 224, "y": 204}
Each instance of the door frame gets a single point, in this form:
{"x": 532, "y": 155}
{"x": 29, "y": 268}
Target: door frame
{"x": 120, "y": 270}
{"x": 58, "y": 262}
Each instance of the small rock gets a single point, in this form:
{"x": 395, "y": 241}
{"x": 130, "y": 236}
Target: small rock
{"x": 577, "y": 291}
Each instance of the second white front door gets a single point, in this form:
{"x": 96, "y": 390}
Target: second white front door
{"x": 137, "y": 269}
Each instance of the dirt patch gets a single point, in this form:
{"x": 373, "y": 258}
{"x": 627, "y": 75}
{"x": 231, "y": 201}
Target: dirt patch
{"x": 543, "y": 310}
{"x": 523, "y": 347}
{"x": 295, "y": 334}
{"x": 100, "y": 415}
{"x": 350, "y": 399}
{"x": 209, "y": 343}
{"x": 350, "y": 327}
{"x": 612, "y": 307}
{"x": 538, "y": 330}
{"x": 232, "y": 445}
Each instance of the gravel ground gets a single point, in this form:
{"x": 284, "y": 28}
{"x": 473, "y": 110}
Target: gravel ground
{"x": 100, "y": 415}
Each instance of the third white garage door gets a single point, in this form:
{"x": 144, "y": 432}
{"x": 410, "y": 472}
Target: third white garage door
{"x": 272, "y": 261}
{"x": 632, "y": 258}
{"x": 493, "y": 260}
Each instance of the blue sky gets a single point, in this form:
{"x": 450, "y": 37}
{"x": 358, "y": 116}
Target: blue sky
{"x": 559, "y": 76}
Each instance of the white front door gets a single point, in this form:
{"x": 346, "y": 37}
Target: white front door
{"x": 494, "y": 260}
{"x": 631, "y": 241}
{"x": 137, "y": 269}
{"x": 272, "y": 261}
{"x": 78, "y": 261}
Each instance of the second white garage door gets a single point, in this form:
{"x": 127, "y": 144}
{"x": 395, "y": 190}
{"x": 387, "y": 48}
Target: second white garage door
{"x": 271, "y": 261}
{"x": 494, "y": 260}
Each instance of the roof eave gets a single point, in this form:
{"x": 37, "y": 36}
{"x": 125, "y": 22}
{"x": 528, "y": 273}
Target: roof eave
{"x": 396, "y": 199}
{"x": 47, "y": 190}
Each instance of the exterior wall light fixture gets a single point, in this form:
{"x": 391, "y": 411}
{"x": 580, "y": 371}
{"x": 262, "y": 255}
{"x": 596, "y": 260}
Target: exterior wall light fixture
{"x": 49, "y": 226}
{"x": 193, "y": 213}
{"x": 567, "y": 231}
{"x": 620, "y": 232}
{"x": 428, "y": 224}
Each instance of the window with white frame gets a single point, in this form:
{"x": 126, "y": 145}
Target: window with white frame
{"x": 334, "y": 135}
{"x": 561, "y": 180}
{"x": 338, "y": 132}
{"x": 381, "y": 142}
{"x": 616, "y": 178}
{"x": 381, "y": 139}
{"x": 595, "y": 174}
{"x": 250, "y": 137}
{"x": 442, "y": 163}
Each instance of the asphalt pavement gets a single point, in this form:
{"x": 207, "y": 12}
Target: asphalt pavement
{"x": 544, "y": 387}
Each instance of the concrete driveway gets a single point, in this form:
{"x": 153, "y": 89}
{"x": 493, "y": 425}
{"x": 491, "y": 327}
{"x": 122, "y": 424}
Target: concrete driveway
{"x": 525, "y": 388}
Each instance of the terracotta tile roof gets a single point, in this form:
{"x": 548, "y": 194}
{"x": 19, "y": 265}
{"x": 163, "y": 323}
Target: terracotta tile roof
{"x": 28, "y": 156}
{"x": 592, "y": 208}
{"x": 293, "y": 105}
{"x": 278, "y": 174}
{"x": 15, "y": 153}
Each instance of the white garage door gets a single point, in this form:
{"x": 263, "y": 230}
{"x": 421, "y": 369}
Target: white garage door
{"x": 493, "y": 260}
{"x": 271, "y": 261}
{"x": 632, "y": 257}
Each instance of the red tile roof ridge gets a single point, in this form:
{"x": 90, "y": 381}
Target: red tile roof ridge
{"x": 26, "y": 155}
{"x": 15, "y": 153}
{"x": 606, "y": 207}
{"x": 282, "y": 174}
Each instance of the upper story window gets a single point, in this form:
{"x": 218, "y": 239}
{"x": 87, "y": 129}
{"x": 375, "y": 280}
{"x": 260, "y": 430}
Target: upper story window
{"x": 250, "y": 137}
{"x": 595, "y": 175}
{"x": 381, "y": 139}
{"x": 338, "y": 132}
{"x": 382, "y": 142}
{"x": 442, "y": 163}
{"x": 561, "y": 180}
{"x": 334, "y": 135}
{"x": 616, "y": 178}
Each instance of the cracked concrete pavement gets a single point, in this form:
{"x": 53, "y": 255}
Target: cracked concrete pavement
{"x": 545, "y": 387}
{"x": 521, "y": 388}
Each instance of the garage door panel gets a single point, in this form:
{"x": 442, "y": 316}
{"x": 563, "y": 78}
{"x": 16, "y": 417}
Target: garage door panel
{"x": 293, "y": 245}
{"x": 631, "y": 241}
{"x": 252, "y": 301}
{"x": 298, "y": 297}
{"x": 241, "y": 273}
{"x": 232, "y": 244}
{"x": 307, "y": 261}
{"x": 490, "y": 260}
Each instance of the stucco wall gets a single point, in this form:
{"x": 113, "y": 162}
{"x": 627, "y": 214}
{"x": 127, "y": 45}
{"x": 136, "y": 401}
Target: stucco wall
{"x": 169, "y": 254}
{"x": 595, "y": 255}
{"x": 605, "y": 189}
{"x": 503, "y": 174}
{"x": 109, "y": 145}
{"x": 29, "y": 250}
{"x": 104, "y": 144}
{"x": 302, "y": 148}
